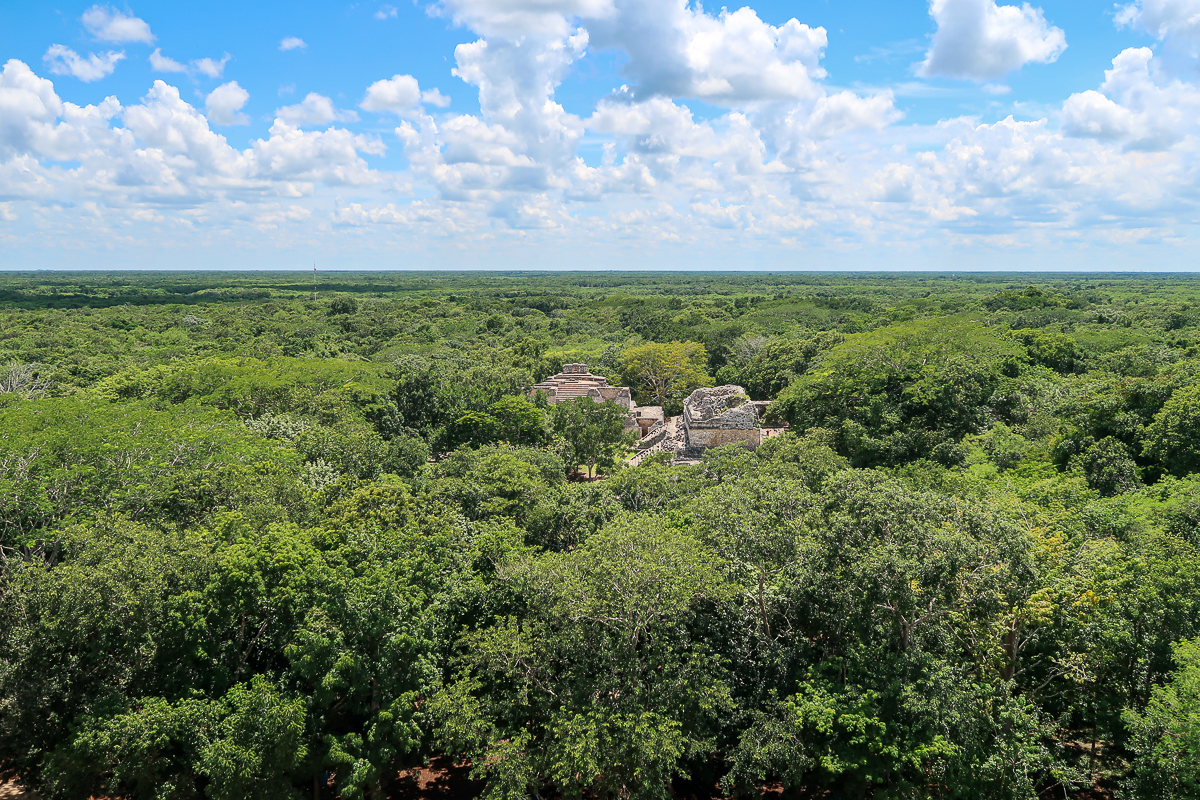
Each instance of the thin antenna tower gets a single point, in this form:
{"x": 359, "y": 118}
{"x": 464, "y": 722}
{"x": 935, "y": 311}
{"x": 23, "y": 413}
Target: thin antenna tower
{"x": 314, "y": 281}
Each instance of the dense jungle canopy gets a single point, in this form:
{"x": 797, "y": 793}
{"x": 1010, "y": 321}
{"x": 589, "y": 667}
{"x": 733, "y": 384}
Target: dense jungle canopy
{"x": 260, "y": 539}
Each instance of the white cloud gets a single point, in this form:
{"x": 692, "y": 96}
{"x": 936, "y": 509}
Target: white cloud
{"x": 1134, "y": 106}
{"x": 1177, "y": 20}
{"x": 292, "y": 43}
{"x": 28, "y": 107}
{"x": 314, "y": 109}
{"x": 386, "y": 11}
{"x": 789, "y": 160}
{"x": 164, "y": 151}
{"x": 224, "y": 104}
{"x": 733, "y": 58}
{"x": 516, "y": 80}
{"x": 399, "y": 94}
{"x": 330, "y": 157}
{"x": 435, "y": 98}
{"x": 514, "y": 18}
{"x": 161, "y": 63}
{"x": 836, "y": 114}
{"x": 65, "y": 61}
{"x": 982, "y": 41}
{"x": 169, "y": 128}
{"x": 107, "y": 24}
{"x": 210, "y": 67}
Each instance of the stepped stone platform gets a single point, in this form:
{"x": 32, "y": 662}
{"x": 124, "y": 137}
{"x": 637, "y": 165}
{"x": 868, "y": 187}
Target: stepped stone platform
{"x": 575, "y": 381}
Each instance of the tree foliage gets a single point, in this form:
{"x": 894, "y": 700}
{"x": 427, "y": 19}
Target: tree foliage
{"x": 249, "y": 541}
{"x": 595, "y": 433}
{"x": 660, "y": 373}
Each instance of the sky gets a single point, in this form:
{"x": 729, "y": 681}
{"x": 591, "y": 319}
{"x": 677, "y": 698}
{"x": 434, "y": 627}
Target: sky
{"x": 600, "y": 134}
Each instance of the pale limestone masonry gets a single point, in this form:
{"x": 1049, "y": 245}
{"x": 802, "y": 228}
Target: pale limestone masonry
{"x": 576, "y": 381}
{"x": 711, "y": 417}
{"x": 718, "y": 416}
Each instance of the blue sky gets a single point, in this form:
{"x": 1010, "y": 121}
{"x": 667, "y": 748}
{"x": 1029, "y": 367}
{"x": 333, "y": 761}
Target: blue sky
{"x": 955, "y": 134}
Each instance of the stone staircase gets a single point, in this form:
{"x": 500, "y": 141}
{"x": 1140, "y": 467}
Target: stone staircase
{"x": 669, "y": 440}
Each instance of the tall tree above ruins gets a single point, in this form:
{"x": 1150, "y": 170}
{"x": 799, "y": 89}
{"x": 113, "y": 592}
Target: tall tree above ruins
{"x": 660, "y": 372}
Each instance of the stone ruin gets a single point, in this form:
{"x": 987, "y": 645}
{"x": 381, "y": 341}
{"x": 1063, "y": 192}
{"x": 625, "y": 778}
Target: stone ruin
{"x": 576, "y": 381}
{"x": 711, "y": 417}
{"x": 721, "y": 415}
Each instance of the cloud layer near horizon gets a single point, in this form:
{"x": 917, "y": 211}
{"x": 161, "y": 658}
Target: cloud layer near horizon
{"x": 787, "y": 160}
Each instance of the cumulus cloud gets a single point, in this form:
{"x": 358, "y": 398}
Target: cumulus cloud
{"x": 399, "y": 94}
{"x": 526, "y": 142}
{"x": 733, "y": 58}
{"x": 539, "y": 18}
{"x": 314, "y": 109}
{"x": 784, "y": 157}
{"x": 64, "y": 61}
{"x": 292, "y": 43}
{"x": 386, "y": 11}
{"x": 131, "y": 161}
{"x": 107, "y": 24}
{"x": 1177, "y": 20}
{"x": 1134, "y": 106}
{"x": 982, "y": 41}
{"x": 210, "y": 67}
{"x": 161, "y": 63}
{"x": 28, "y": 106}
{"x": 225, "y": 103}
{"x": 434, "y": 97}
{"x": 329, "y": 157}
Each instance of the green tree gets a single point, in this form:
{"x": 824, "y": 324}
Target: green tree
{"x": 902, "y": 392}
{"x": 1109, "y": 467}
{"x": 771, "y": 368}
{"x": 516, "y": 420}
{"x": 364, "y": 652}
{"x": 1173, "y": 438}
{"x": 1057, "y": 351}
{"x": 597, "y": 691}
{"x": 519, "y": 421}
{"x": 247, "y": 744}
{"x": 667, "y": 371}
{"x": 595, "y": 433}
{"x": 1165, "y": 737}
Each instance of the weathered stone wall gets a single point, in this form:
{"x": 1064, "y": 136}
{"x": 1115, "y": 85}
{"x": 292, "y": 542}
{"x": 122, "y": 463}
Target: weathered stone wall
{"x": 719, "y": 408}
{"x": 699, "y": 439}
{"x": 617, "y": 394}
{"x": 742, "y": 418}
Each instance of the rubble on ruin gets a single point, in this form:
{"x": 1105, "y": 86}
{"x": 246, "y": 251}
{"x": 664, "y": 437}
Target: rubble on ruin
{"x": 711, "y": 417}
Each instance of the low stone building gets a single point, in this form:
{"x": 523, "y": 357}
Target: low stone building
{"x": 721, "y": 415}
{"x": 576, "y": 381}
{"x": 711, "y": 417}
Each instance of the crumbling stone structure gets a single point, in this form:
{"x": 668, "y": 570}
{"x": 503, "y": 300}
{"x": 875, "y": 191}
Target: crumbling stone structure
{"x": 576, "y": 381}
{"x": 711, "y": 417}
{"x": 717, "y": 416}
